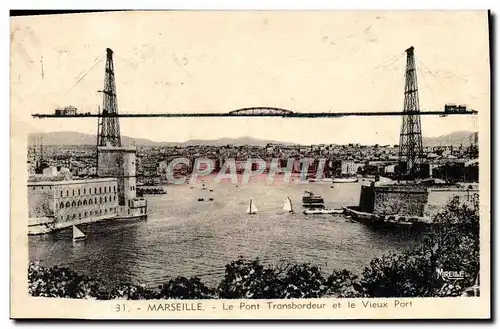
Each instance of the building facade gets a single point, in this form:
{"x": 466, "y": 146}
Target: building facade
{"x": 58, "y": 204}
{"x": 120, "y": 163}
{"x": 411, "y": 200}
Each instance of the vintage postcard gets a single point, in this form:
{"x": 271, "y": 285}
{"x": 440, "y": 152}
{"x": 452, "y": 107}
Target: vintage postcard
{"x": 250, "y": 165}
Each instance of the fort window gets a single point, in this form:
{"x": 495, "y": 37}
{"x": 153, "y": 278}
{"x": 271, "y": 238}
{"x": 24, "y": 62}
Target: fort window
{"x": 73, "y": 204}
{"x": 114, "y": 198}
{"x": 80, "y": 215}
{"x": 90, "y": 201}
{"x": 74, "y": 216}
{"x": 67, "y": 204}
{"x": 100, "y": 199}
{"x": 114, "y": 189}
{"x": 85, "y": 214}
{"x": 61, "y": 205}
{"x": 105, "y": 199}
{"x": 61, "y": 194}
{"x": 79, "y": 203}
{"x": 73, "y": 192}
{"x": 67, "y": 193}
{"x": 104, "y": 189}
{"x": 78, "y": 191}
{"x": 84, "y": 191}
{"x": 67, "y": 217}
{"x": 105, "y": 211}
{"x": 100, "y": 191}
{"x": 84, "y": 202}
{"x": 95, "y": 190}
{"x": 95, "y": 200}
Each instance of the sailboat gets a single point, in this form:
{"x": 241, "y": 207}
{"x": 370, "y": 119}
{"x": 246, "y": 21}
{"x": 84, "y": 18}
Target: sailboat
{"x": 78, "y": 235}
{"x": 252, "y": 210}
{"x": 287, "y": 207}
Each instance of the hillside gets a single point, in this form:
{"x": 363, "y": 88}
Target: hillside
{"x": 456, "y": 138}
{"x": 76, "y": 138}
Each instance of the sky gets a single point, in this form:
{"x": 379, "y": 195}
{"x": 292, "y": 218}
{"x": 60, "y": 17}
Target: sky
{"x": 221, "y": 61}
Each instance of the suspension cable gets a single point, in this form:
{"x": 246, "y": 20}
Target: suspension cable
{"x": 98, "y": 60}
{"x": 426, "y": 83}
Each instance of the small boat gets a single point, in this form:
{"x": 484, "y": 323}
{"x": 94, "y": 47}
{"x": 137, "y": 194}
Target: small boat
{"x": 201, "y": 199}
{"x": 211, "y": 190}
{"x": 287, "y": 206}
{"x": 78, "y": 235}
{"x": 320, "y": 180}
{"x": 211, "y": 199}
{"x": 323, "y": 211}
{"x": 345, "y": 180}
{"x": 252, "y": 209}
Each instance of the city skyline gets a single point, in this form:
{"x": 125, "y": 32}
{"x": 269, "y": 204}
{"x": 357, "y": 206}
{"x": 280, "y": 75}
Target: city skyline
{"x": 210, "y": 68}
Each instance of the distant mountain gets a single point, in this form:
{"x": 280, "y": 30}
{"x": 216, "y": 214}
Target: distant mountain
{"x": 456, "y": 138}
{"x": 233, "y": 141}
{"x": 76, "y": 138}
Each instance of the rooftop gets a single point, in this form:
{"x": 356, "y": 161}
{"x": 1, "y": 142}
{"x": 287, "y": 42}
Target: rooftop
{"x": 117, "y": 148}
{"x": 69, "y": 182}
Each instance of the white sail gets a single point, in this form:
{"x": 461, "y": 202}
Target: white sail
{"x": 252, "y": 209}
{"x": 287, "y": 207}
{"x": 77, "y": 234}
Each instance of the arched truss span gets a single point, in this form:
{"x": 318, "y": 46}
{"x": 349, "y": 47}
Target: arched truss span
{"x": 264, "y": 111}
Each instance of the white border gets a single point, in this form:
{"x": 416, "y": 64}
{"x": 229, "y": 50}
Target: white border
{"x": 186, "y": 4}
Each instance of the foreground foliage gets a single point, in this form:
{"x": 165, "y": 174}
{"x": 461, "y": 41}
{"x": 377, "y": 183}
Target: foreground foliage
{"x": 452, "y": 246}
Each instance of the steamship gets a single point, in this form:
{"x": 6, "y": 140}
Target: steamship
{"x": 312, "y": 201}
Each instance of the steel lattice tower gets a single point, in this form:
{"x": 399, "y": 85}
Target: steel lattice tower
{"x": 109, "y": 133}
{"x": 410, "y": 139}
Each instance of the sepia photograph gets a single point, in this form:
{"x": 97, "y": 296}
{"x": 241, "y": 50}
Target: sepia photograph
{"x": 228, "y": 164}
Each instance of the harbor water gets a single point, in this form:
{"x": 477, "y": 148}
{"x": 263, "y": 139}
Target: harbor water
{"x": 186, "y": 237}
